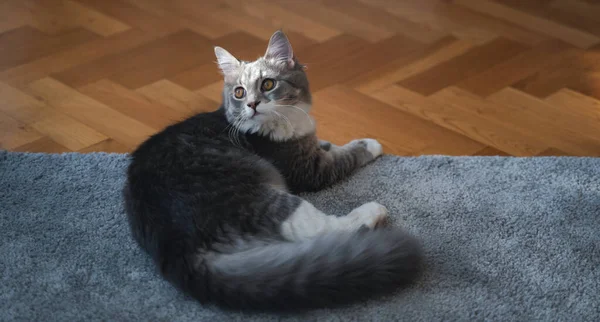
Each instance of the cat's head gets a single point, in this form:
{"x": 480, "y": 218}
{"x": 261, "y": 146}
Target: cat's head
{"x": 269, "y": 96}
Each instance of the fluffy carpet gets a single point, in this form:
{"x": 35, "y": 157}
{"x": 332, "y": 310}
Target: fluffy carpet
{"x": 506, "y": 239}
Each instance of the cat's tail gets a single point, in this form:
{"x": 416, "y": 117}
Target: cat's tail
{"x": 332, "y": 269}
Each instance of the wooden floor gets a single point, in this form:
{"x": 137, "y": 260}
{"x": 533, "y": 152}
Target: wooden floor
{"x": 462, "y": 77}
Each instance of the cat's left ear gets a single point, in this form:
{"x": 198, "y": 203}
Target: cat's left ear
{"x": 280, "y": 49}
{"x": 227, "y": 62}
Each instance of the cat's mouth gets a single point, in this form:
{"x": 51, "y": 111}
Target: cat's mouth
{"x": 254, "y": 113}
{"x": 251, "y": 113}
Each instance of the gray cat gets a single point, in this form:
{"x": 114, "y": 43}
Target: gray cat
{"x": 213, "y": 199}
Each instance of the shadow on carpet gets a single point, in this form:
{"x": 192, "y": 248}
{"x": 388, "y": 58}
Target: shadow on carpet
{"x": 506, "y": 239}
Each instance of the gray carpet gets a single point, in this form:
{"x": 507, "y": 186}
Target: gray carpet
{"x": 506, "y": 239}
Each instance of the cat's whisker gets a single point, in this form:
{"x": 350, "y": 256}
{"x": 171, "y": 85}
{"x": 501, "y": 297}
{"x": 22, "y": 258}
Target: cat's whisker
{"x": 231, "y": 124}
{"x": 284, "y": 118}
{"x": 287, "y": 120}
{"x": 301, "y": 110}
{"x": 229, "y": 129}
{"x": 229, "y": 136}
{"x": 234, "y": 131}
{"x": 238, "y": 136}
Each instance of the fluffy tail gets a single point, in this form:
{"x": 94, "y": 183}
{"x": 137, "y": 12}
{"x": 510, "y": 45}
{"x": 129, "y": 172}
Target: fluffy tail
{"x": 335, "y": 268}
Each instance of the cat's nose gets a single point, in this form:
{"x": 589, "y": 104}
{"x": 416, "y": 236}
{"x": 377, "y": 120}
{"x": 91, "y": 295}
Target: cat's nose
{"x": 253, "y": 105}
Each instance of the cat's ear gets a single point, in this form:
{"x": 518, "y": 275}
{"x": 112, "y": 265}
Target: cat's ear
{"x": 227, "y": 62}
{"x": 280, "y": 49}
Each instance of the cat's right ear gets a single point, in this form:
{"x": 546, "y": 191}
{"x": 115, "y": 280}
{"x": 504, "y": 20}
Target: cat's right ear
{"x": 280, "y": 49}
{"x": 227, "y": 62}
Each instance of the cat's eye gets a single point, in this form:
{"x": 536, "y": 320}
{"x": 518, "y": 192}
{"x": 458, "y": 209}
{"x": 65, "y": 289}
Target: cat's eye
{"x": 268, "y": 84}
{"x": 239, "y": 92}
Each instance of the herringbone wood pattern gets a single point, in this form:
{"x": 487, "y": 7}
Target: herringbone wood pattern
{"x": 460, "y": 77}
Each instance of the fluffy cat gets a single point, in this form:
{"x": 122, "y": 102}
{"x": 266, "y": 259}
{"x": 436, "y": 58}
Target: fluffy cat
{"x": 213, "y": 200}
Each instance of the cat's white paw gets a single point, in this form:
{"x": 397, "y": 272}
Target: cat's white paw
{"x": 371, "y": 214}
{"x": 373, "y": 146}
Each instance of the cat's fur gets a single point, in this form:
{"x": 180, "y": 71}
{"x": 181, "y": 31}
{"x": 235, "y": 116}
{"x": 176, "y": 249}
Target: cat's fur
{"x": 212, "y": 200}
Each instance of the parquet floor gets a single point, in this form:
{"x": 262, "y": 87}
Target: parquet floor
{"x": 460, "y": 77}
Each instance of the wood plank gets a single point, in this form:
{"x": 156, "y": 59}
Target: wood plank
{"x": 47, "y": 121}
{"x": 588, "y": 83}
{"x": 553, "y": 152}
{"x": 514, "y": 69}
{"x": 56, "y": 16}
{"x": 68, "y": 132}
{"x": 431, "y": 14}
{"x": 190, "y": 49}
{"x": 18, "y": 38}
{"x": 186, "y": 14}
{"x": 71, "y": 57}
{"x": 337, "y": 20}
{"x": 93, "y": 20}
{"x": 132, "y": 104}
{"x": 324, "y": 72}
{"x": 447, "y": 111}
{"x": 125, "y": 130}
{"x": 579, "y": 112}
{"x": 14, "y": 133}
{"x": 584, "y": 9}
{"x": 329, "y": 51}
{"x": 548, "y": 27}
{"x": 537, "y": 118}
{"x": 198, "y": 77}
{"x": 398, "y": 132}
{"x": 479, "y": 21}
{"x": 379, "y": 17}
{"x": 109, "y": 145}
{"x": 489, "y": 151}
{"x": 21, "y": 106}
{"x": 551, "y": 10}
{"x": 11, "y": 16}
{"x": 436, "y": 55}
{"x": 131, "y": 15}
{"x": 177, "y": 98}
{"x": 278, "y": 16}
{"x": 464, "y": 66}
{"x": 150, "y": 55}
{"x": 213, "y": 91}
{"x": 43, "y": 16}
{"x": 573, "y": 68}
{"x": 385, "y": 74}
{"x": 43, "y": 145}
{"x": 31, "y": 46}
{"x": 260, "y": 28}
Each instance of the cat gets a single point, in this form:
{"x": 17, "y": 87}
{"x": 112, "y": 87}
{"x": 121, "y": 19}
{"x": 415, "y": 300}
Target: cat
{"x": 214, "y": 200}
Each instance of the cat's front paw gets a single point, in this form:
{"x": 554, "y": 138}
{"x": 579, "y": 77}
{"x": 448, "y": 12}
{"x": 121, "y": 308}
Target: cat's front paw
{"x": 371, "y": 145}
